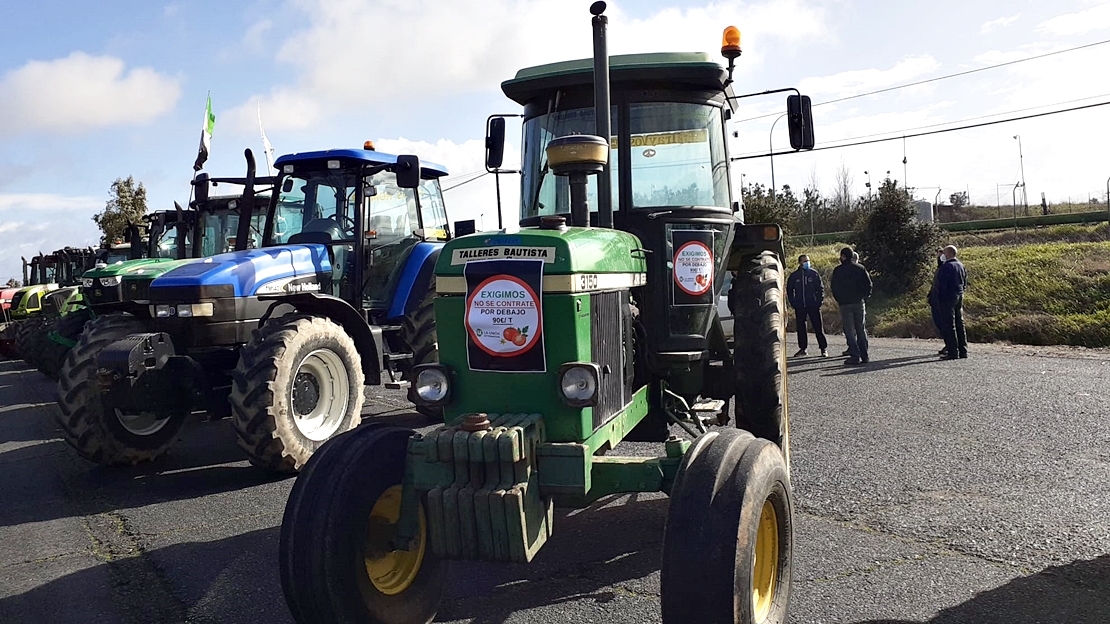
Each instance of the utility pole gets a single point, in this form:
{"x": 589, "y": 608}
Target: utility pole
{"x": 1021, "y": 160}
{"x": 771, "y": 149}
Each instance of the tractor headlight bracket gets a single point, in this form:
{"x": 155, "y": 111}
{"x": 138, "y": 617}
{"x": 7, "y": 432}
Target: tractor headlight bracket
{"x": 431, "y": 384}
{"x": 579, "y": 383}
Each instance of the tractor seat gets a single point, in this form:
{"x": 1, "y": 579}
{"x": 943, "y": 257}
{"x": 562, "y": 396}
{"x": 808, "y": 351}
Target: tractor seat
{"x": 322, "y": 231}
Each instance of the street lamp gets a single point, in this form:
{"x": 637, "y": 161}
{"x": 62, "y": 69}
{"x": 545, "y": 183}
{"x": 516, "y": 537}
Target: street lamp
{"x": 1021, "y": 159}
{"x": 1013, "y": 199}
{"x": 868, "y": 185}
{"x": 771, "y": 149}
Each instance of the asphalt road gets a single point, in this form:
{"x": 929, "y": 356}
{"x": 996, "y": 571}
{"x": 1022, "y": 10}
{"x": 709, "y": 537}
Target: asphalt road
{"x": 942, "y": 492}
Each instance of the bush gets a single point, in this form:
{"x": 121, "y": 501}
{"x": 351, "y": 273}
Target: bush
{"x": 897, "y": 249}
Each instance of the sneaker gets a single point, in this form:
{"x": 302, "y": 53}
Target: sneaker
{"x": 847, "y": 352}
{"x": 801, "y": 353}
{"x": 853, "y": 362}
{"x": 864, "y": 360}
{"x": 943, "y": 351}
{"x": 824, "y": 353}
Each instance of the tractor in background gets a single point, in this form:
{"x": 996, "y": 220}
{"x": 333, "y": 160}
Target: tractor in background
{"x": 54, "y": 278}
{"x": 595, "y": 323}
{"x": 338, "y": 295}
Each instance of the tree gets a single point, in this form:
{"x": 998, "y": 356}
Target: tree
{"x": 896, "y": 248}
{"x": 958, "y": 200}
{"x": 127, "y": 205}
{"x": 841, "y": 198}
{"x": 760, "y": 207}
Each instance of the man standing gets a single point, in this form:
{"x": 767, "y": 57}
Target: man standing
{"x": 934, "y": 304}
{"x": 951, "y": 283}
{"x": 851, "y": 286}
{"x": 806, "y": 292}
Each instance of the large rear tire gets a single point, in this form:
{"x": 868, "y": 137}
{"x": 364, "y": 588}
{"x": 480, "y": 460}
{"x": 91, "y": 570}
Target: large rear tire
{"x": 418, "y": 330}
{"x": 109, "y": 439}
{"x": 26, "y": 338}
{"x": 60, "y": 337}
{"x": 349, "y": 496}
{"x": 298, "y": 383}
{"x": 728, "y": 541}
{"x": 759, "y": 358}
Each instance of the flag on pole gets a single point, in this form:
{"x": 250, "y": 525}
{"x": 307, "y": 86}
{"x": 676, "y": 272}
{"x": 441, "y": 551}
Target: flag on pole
{"x": 266, "y": 147}
{"x": 205, "y": 135}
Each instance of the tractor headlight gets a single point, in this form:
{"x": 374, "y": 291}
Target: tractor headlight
{"x": 431, "y": 384}
{"x": 189, "y": 310}
{"x": 578, "y": 383}
{"x": 112, "y": 280}
{"x": 88, "y": 282}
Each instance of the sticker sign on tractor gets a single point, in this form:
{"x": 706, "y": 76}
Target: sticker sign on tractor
{"x": 693, "y": 267}
{"x": 504, "y": 316}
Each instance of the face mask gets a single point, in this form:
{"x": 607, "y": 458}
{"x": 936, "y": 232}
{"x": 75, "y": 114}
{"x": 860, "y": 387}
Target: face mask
{"x": 805, "y": 265}
{"x": 942, "y": 258}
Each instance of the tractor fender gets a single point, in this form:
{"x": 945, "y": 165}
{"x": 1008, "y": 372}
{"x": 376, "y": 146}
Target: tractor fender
{"x": 341, "y": 312}
{"x": 414, "y": 279}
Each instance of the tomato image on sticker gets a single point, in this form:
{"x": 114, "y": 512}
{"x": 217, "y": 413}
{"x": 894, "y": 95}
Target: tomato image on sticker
{"x": 693, "y": 268}
{"x": 503, "y": 316}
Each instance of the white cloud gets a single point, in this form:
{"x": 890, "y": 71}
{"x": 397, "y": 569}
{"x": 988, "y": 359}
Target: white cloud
{"x": 860, "y": 80}
{"x": 1078, "y": 23}
{"x": 46, "y": 222}
{"x": 80, "y": 92}
{"x": 1001, "y": 22}
{"x": 46, "y": 201}
{"x": 337, "y": 63}
{"x": 254, "y": 40}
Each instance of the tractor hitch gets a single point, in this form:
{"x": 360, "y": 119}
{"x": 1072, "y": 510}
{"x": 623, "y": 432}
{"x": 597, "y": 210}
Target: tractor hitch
{"x": 142, "y": 372}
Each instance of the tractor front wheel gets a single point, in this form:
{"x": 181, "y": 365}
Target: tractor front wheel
{"x": 728, "y": 541}
{"x": 26, "y": 337}
{"x": 759, "y": 358}
{"x": 109, "y": 438}
{"x": 418, "y": 330}
{"x": 62, "y": 336}
{"x": 336, "y": 556}
{"x": 298, "y": 383}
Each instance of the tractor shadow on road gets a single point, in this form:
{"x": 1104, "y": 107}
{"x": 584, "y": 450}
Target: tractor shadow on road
{"x": 227, "y": 580}
{"x": 598, "y": 555}
{"x": 1074, "y": 593}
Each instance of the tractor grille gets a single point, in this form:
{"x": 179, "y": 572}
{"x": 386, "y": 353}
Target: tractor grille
{"x": 610, "y": 326}
{"x": 136, "y": 290}
{"x": 16, "y": 298}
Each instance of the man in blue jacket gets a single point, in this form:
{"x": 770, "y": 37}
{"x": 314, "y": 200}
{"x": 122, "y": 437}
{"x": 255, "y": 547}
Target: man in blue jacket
{"x": 806, "y": 292}
{"x": 951, "y": 283}
{"x": 851, "y": 286}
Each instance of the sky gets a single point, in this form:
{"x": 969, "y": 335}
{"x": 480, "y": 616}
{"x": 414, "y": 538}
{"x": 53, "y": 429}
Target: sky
{"x": 90, "y": 92}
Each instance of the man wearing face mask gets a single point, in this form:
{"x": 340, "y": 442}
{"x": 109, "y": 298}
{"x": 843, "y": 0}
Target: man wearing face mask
{"x": 806, "y": 292}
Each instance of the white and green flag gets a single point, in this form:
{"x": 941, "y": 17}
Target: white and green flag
{"x": 205, "y": 135}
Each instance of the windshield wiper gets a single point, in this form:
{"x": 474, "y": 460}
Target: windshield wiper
{"x": 534, "y": 206}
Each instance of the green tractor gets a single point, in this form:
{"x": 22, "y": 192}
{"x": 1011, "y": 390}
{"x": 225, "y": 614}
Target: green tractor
{"x": 594, "y": 324}
{"x": 172, "y": 238}
{"x": 55, "y": 278}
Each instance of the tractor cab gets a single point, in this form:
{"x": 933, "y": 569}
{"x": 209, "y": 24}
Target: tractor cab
{"x": 372, "y": 226}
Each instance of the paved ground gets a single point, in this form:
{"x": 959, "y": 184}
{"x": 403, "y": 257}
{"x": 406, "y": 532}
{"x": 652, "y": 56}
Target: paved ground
{"x": 940, "y": 492}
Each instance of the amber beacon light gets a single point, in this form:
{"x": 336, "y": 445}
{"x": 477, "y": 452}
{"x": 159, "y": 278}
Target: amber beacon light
{"x": 730, "y": 43}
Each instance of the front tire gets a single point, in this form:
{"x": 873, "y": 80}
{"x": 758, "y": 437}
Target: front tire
{"x": 26, "y": 337}
{"x": 109, "y": 439}
{"x": 349, "y": 491}
{"x": 759, "y": 358}
{"x": 728, "y": 541}
{"x": 418, "y": 330}
{"x": 60, "y": 337}
{"x": 298, "y": 383}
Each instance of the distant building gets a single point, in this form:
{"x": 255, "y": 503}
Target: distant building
{"x": 924, "y": 211}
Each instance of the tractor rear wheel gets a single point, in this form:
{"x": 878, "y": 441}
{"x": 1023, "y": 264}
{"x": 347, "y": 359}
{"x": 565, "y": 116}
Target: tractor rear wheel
{"x": 418, "y": 330}
{"x": 728, "y": 541}
{"x": 108, "y": 438}
{"x": 335, "y": 551}
{"x": 759, "y": 358}
{"x": 298, "y": 383}
{"x": 26, "y": 335}
{"x": 62, "y": 336}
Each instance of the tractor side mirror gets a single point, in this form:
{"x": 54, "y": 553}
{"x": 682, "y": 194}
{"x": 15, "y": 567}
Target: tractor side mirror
{"x": 407, "y": 171}
{"x": 462, "y": 228}
{"x": 800, "y": 118}
{"x": 495, "y": 142}
{"x": 201, "y": 189}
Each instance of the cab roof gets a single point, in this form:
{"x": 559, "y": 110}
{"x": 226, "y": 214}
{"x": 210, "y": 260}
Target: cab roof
{"x": 688, "y": 69}
{"x": 427, "y": 169}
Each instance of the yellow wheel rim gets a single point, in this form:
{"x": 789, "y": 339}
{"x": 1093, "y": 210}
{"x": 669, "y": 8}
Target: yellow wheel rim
{"x": 393, "y": 572}
{"x": 765, "y": 568}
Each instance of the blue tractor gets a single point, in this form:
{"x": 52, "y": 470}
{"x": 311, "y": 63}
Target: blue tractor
{"x": 339, "y": 295}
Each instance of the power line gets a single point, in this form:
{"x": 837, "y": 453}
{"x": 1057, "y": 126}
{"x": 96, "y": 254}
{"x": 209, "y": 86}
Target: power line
{"x": 921, "y": 134}
{"x": 938, "y": 78}
{"x": 477, "y": 177}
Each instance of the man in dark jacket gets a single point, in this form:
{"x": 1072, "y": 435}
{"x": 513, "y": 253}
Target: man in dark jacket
{"x": 806, "y": 292}
{"x": 851, "y": 286}
{"x": 950, "y": 286}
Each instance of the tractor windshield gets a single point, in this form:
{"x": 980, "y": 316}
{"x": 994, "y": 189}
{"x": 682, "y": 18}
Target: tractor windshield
{"x": 676, "y": 154}
{"x": 166, "y": 245}
{"x": 219, "y": 228}
{"x": 320, "y": 205}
